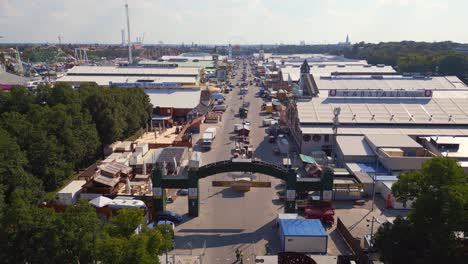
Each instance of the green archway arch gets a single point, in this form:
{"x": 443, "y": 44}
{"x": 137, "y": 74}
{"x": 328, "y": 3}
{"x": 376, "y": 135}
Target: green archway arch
{"x": 191, "y": 181}
{"x": 254, "y": 166}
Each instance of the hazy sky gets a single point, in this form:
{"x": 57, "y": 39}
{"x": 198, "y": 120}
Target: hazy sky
{"x": 234, "y": 21}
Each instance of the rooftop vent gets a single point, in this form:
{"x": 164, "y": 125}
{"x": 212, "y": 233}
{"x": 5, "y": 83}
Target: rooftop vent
{"x": 367, "y": 66}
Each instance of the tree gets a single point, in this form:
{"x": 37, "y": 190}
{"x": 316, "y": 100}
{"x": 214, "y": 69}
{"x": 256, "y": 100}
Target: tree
{"x": 125, "y": 223}
{"x": 80, "y": 228}
{"x": 122, "y": 245}
{"x": 440, "y": 194}
{"x": 12, "y": 168}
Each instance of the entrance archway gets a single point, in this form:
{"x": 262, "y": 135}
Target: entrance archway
{"x": 191, "y": 181}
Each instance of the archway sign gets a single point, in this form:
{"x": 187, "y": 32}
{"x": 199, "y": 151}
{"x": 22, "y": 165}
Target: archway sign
{"x": 191, "y": 179}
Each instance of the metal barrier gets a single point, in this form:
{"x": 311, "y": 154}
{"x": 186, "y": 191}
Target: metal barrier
{"x": 353, "y": 243}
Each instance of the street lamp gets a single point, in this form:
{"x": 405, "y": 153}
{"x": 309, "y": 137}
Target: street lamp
{"x": 165, "y": 243}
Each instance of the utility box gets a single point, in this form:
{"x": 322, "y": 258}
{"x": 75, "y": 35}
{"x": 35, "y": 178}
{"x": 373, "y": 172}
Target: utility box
{"x": 303, "y": 235}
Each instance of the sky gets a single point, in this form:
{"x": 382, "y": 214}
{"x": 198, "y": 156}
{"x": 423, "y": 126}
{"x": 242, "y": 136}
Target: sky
{"x": 234, "y": 21}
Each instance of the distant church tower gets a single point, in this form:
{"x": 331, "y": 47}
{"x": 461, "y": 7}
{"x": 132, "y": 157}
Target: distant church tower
{"x": 347, "y": 39}
{"x": 305, "y": 71}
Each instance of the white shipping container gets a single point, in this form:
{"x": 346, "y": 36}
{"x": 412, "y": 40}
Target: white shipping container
{"x": 71, "y": 193}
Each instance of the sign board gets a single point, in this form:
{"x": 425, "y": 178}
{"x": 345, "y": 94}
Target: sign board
{"x": 192, "y": 193}
{"x": 327, "y": 195}
{"x": 261, "y": 184}
{"x": 380, "y": 93}
{"x": 157, "y": 192}
{"x": 290, "y": 195}
{"x": 146, "y": 84}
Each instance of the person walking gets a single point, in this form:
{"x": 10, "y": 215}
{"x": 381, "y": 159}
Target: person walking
{"x": 241, "y": 257}
{"x": 237, "y": 254}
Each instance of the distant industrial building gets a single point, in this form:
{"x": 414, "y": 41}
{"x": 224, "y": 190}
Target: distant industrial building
{"x": 174, "y": 91}
{"x": 343, "y": 113}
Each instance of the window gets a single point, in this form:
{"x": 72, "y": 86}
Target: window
{"x": 327, "y": 138}
{"x": 316, "y": 138}
{"x": 306, "y": 138}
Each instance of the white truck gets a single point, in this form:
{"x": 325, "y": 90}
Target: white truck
{"x": 208, "y": 137}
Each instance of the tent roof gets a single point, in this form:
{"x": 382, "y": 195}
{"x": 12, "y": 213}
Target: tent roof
{"x": 100, "y": 201}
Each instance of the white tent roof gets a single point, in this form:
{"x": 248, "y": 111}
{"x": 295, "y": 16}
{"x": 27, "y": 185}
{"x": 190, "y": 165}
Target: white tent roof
{"x": 100, "y": 201}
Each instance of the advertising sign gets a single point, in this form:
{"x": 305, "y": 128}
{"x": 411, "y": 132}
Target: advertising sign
{"x": 327, "y": 195}
{"x": 146, "y": 84}
{"x": 192, "y": 193}
{"x": 380, "y": 93}
{"x": 290, "y": 195}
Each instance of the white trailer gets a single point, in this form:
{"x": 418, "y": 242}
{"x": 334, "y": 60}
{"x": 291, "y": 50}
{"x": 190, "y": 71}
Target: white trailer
{"x": 303, "y": 235}
{"x": 208, "y": 137}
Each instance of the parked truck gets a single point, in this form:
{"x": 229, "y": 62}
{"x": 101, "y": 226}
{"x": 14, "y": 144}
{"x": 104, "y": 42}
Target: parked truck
{"x": 208, "y": 137}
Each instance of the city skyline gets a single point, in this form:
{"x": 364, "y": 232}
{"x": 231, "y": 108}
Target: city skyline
{"x": 235, "y": 22}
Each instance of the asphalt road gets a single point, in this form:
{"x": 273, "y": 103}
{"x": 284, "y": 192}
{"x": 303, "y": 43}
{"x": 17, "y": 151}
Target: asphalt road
{"x": 231, "y": 219}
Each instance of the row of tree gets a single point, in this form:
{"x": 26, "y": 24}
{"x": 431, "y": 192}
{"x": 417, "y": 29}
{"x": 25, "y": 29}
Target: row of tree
{"x": 47, "y": 135}
{"x": 44, "y": 137}
{"x": 434, "y": 230}
{"x": 409, "y": 56}
{"x": 444, "y": 58}
{"x": 30, "y": 234}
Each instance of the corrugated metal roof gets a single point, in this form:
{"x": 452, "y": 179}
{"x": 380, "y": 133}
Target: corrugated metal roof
{"x": 176, "y": 98}
{"x": 189, "y": 63}
{"x": 392, "y": 130}
{"x": 100, "y": 70}
{"x": 104, "y": 80}
{"x": 382, "y": 111}
{"x": 8, "y": 78}
{"x": 390, "y": 82}
{"x": 354, "y": 146}
{"x": 392, "y": 141}
{"x": 302, "y": 227}
{"x": 318, "y": 70}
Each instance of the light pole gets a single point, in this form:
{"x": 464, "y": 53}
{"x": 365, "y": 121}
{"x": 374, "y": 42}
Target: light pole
{"x": 165, "y": 244}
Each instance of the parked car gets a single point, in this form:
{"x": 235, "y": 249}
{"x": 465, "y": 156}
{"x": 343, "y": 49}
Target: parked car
{"x": 182, "y": 192}
{"x": 169, "y": 216}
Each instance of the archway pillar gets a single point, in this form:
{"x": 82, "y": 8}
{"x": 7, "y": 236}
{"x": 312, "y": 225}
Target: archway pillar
{"x": 193, "y": 193}
{"x": 159, "y": 194}
{"x": 291, "y": 182}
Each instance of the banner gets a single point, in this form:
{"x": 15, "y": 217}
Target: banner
{"x": 380, "y": 93}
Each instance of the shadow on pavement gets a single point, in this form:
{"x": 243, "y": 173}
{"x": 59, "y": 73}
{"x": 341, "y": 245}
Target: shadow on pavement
{"x": 267, "y": 232}
{"x": 230, "y": 193}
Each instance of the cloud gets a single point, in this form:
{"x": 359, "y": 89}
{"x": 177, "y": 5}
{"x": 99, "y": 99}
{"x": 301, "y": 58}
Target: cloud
{"x": 223, "y": 21}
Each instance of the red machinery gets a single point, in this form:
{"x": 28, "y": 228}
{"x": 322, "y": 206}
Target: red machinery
{"x": 322, "y": 211}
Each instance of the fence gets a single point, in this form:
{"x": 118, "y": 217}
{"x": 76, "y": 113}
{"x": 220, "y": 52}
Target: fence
{"x": 354, "y": 244}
